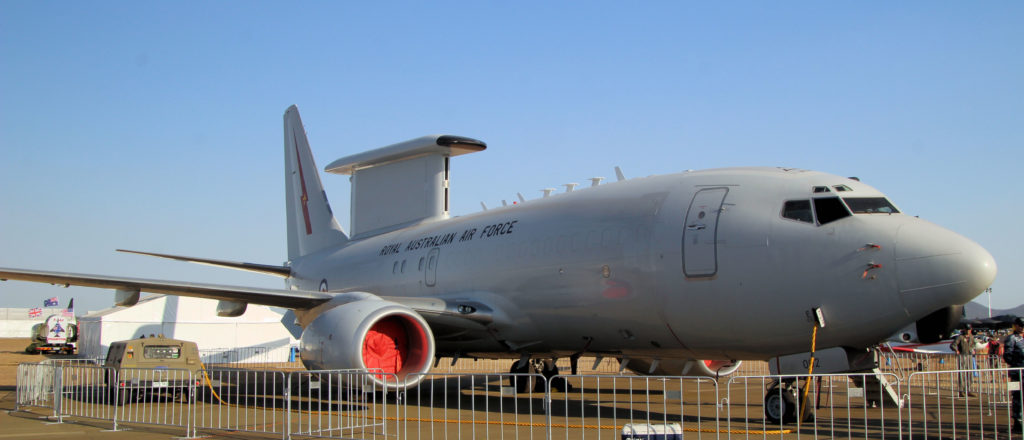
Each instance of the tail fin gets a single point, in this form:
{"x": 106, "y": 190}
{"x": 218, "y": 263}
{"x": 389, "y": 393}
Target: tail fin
{"x": 311, "y": 224}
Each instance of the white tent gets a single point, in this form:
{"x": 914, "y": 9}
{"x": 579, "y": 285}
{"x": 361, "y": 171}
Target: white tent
{"x": 258, "y": 332}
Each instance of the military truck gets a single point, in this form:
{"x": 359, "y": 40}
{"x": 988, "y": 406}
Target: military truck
{"x": 152, "y": 367}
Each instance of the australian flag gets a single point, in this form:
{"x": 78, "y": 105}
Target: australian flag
{"x": 50, "y": 302}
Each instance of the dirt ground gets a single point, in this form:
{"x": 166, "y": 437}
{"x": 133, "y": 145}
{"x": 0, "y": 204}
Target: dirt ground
{"x": 12, "y": 353}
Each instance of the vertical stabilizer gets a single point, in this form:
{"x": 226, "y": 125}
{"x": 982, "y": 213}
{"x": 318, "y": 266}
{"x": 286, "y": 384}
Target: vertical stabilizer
{"x": 311, "y": 224}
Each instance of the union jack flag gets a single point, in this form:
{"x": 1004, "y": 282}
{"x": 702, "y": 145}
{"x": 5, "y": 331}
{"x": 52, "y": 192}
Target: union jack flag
{"x": 35, "y": 312}
{"x": 51, "y": 302}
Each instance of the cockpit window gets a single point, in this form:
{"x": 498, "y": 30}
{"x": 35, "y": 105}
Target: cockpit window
{"x": 870, "y": 205}
{"x": 821, "y": 189}
{"x": 842, "y": 188}
{"x": 829, "y": 209}
{"x": 798, "y": 210}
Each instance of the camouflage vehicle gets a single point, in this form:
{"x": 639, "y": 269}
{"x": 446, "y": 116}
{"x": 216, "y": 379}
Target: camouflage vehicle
{"x": 155, "y": 367}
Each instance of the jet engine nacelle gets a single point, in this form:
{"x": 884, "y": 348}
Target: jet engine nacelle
{"x": 681, "y": 367}
{"x": 371, "y": 335}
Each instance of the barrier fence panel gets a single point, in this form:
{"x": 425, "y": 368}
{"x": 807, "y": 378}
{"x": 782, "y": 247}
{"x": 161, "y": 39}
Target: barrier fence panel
{"x": 250, "y": 357}
{"x": 475, "y": 406}
{"x": 346, "y": 404}
{"x": 72, "y": 362}
{"x": 602, "y": 406}
{"x": 154, "y": 397}
{"x": 34, "y": 385}
{"x": 960, "y": 403}
{"x": 970, "y": 403}
{"x": 85, "y": 391}
{"x": 837, "y": 405}
{"x": 242, "y": 400}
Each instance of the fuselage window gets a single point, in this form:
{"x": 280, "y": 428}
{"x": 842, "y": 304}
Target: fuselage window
{"x": 394, "y": 268}
{"x": 870, "y": 205}
{"x": 403, "y": 266}
{"x": 829, "y": 209}
{"x": 420, "y": 268}
{"x": 799, "y": 210}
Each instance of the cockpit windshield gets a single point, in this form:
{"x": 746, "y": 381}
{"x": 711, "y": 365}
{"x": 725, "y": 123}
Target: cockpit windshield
{"x": 870, "y": 205}
{"x": 829, "y": 209}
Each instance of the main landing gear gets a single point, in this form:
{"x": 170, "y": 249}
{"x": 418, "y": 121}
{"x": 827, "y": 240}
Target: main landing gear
{"x": 531, "y": 383}
{"x": 781, "y": 402}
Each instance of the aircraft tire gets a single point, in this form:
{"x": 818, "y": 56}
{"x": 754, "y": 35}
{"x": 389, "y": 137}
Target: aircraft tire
{"x": 549, "y": 371}
{"x": 523, "y": 384}
{"x": 780, "y": 407}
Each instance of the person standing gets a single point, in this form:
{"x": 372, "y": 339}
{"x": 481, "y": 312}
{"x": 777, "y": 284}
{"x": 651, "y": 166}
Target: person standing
{"x": 994, "y": 347}
{"x": 963, "y": 346}
{"x": 1013, "y": 354}
{"x": 994, "y": 350}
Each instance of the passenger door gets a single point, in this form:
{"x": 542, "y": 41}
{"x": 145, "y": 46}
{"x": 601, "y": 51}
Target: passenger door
{"x": 700, "y": 233}
{"x": 431, "y": 272}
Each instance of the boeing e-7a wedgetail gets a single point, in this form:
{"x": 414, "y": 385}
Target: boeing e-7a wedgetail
{"x": 677, "y": 274}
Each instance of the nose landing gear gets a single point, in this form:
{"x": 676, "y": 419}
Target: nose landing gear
{"x": 781, "y": 402}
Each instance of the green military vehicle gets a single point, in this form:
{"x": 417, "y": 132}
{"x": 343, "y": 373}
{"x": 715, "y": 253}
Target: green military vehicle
{"x": 152, "y": 367}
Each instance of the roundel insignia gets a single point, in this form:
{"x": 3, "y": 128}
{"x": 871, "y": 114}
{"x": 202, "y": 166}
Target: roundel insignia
{"x": 323, "y": 285}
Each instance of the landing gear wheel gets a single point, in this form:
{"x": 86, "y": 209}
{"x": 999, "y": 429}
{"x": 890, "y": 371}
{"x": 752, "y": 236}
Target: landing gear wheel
{"x": 780, "y": 404}
{"x": 525, "y": 383}
{"x": 779, "y": 407}
{"x": 549, "y": 370}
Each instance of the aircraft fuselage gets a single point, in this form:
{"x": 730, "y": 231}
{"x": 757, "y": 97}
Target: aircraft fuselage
{"x": 690, "y": 265}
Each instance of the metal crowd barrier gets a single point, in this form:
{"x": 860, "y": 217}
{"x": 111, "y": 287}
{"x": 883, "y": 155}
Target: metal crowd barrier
{"x": 342, "y": 404}
{"x": 499, "y": 406}
{"x": 831, "y": 406}
{"x": 242, "y": 400}
{"x": 973, "y": 403}
{"x": 601, "y": 406}
{"x": 35, "y": 386}
{"x": 965, "y": 403}
{"x": 152, "y": 396}
{"x": 250, "y": 357}
{"x": 85, "y": 392}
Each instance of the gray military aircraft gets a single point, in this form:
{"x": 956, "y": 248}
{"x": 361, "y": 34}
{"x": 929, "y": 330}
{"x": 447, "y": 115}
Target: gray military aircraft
{"x": 674, "y": 274}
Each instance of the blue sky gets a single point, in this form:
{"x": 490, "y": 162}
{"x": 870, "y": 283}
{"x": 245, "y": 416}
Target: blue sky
{"x": 157, "y": 125}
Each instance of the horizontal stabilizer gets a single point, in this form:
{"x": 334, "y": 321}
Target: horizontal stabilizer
{"x": 280, "y": 271}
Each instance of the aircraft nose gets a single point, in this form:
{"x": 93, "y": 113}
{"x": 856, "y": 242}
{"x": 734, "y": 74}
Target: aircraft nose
{"x": 937, "y": 267}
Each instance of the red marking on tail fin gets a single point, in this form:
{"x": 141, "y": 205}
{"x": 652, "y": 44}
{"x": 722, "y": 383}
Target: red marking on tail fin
{"x": 302, "y": 178}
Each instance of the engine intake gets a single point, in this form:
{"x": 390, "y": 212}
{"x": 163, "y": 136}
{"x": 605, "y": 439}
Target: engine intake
{"x": 370, "y": 335}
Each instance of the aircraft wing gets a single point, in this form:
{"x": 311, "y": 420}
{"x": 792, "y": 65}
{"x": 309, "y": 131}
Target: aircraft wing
{"x": 438, "y": 312}
{"x": 292, "y": 299}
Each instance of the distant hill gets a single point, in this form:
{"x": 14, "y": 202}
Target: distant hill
{"x": 977, "y": 310}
